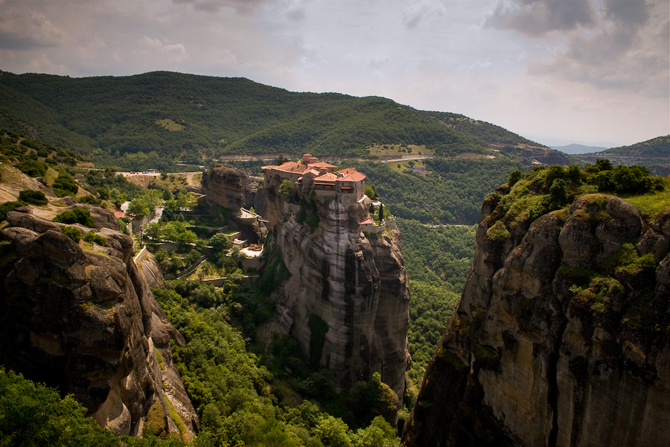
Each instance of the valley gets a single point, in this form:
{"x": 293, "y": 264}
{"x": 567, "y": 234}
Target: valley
{"x": 285, "y": 298}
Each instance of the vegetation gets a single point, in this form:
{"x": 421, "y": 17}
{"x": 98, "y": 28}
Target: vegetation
{"x": 651, "y": 152}
{"x": 145, "y": 203}
{"x": 234, "y": 397}
{"x": 76, "y": 215}
{"x": 438, "y": 260}
{"x": 451, "y": 192}
{"x": 65, "y": 185}
{"x": 72, "y": 233}
{"x": 7, "y": 207}
{"x": 33, "y": 197}
{"x": 156, "y": 119}
{"x": 172, "y": 231}
{"x": 95, "y": 238}
{"x": 34, "y": 415}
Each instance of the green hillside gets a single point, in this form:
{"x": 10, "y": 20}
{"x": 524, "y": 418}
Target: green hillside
{"x": 647, "y": 153}
{"x": 191, "y": 117}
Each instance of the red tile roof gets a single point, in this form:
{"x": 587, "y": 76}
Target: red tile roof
{"x": 367, "y": 222}
{"x": 322, "y": 164}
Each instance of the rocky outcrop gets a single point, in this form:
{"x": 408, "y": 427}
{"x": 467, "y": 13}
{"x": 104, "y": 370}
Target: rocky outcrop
{"x": 80, "y": 317}
{"x": 230, "y": 188}
{"x": 151, "y": 271}
{"x": 226, "y": 186}
{"x": 560, "y": 337}
{"x": 346, "y": 301}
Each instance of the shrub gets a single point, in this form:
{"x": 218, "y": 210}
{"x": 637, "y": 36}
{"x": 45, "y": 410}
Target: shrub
{"x": 498, "y": 232}
{"x": 32, "y": 168}
{"x": 514, "y": 177}
{"x": 77, "y": 215}
{"x": 7, "y": 207}
{"x": 33, "y": 197}
{"x": 95, "y": 238}
{"x": 64, "y": 185}
{"x": 72, "y": 233}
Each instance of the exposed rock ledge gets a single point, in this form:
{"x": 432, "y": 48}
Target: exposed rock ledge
{"x": 79, "y": 317}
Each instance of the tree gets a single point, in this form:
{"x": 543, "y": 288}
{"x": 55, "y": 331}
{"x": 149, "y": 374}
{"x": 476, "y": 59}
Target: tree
{"x": 288, "y": 189}
{"x": 559, "y": 192}
{"x": 514, "y": 177}
{"x": 219, "y": 242}
{"x": 381, "y": 213}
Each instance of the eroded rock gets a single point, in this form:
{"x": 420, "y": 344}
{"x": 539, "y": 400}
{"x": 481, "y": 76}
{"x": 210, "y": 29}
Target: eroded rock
{"x": 80, "y": 317}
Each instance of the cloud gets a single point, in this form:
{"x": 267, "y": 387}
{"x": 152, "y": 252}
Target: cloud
{"x": 174, "y": 52}
{"x": 23, "y": 28}
{"x": 610, "y": 44}
{"x": 415, "y": 13}
{"x": 538, "y": 17}
{"x": 240, "y": 6}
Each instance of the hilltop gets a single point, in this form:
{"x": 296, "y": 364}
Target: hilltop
{"x": 193, "y": 118}
{"x": 650, "y": 153}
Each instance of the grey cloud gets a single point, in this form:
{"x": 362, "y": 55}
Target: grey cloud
{"x": 622, "y": 58}
{"x": 296, "y": 14}
{"x": 415, "y": 13}
{"x": 25, "y": 29}
{"x": 538, "y": 17}
{"x": 240, "y": 6}
{"x": 622, "y": 44}
{"x": 627, "y": 11}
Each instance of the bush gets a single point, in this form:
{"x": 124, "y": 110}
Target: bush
{"x": 32, "y": 168}
{"x": 72, "y": 233}
{"x": 514, "y": 177}
{"x": 33, "y": 197}
{"x": 64, "y": 185}
{"x": 95, "y": 238}
{"x": 7, "y": 207}
{"x": 77, "y": 215}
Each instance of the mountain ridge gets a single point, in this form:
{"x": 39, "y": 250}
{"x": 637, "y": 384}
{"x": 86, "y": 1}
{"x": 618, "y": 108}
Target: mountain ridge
{"x": 182, "y": 115}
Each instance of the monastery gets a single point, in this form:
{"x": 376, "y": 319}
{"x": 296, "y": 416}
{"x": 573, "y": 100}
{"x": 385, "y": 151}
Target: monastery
{"x": 311, "y": 174}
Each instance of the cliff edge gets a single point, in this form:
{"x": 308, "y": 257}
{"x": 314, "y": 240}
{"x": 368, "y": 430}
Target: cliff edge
{"x": 78, "y": 316}
{"x": 346, "y": 300}
{"x": 561, "y": 335}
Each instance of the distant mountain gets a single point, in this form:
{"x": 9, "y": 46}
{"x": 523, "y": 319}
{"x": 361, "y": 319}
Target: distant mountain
{"x": 654, "y": 154}
{"x": 578, "y": 149}
{"x": 180, "y": 116}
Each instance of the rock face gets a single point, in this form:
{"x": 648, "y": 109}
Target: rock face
{"x": 226, "y": 186}
{"x": 230, "y": 188}
{"x": 80, "y": 317}
{"x": 346, "y": 301}
{"x": 560, "y": 338}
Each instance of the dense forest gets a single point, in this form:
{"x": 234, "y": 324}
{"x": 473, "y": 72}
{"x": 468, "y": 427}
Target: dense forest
{"x": 438, "y": 260}
{"x": 180, "y": 116}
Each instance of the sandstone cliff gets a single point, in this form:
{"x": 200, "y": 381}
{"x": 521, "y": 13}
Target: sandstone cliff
{"x": 230, "y": 188}
{"x": 561, "y": 335}
{"x": 80, "y": 317}
{"x": 354, "y": 284}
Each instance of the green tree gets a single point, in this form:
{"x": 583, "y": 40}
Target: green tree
{"x": 514, "y": 177}
{"x": 288, "y": 189}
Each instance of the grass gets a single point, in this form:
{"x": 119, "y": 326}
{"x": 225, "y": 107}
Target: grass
{"x": 177, "y": 420}
{"x": 651, "y": 204}
{"x": 170, "y": 125}
{"x": 396, "y": 149}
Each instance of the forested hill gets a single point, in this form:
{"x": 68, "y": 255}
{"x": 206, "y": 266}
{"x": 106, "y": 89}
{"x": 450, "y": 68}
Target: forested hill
{"x": 647, "y": 153}
{"x": 182, "y": 115}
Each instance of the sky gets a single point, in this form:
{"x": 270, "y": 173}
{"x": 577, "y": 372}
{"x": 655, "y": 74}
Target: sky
{"x": 594, "y": 72}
